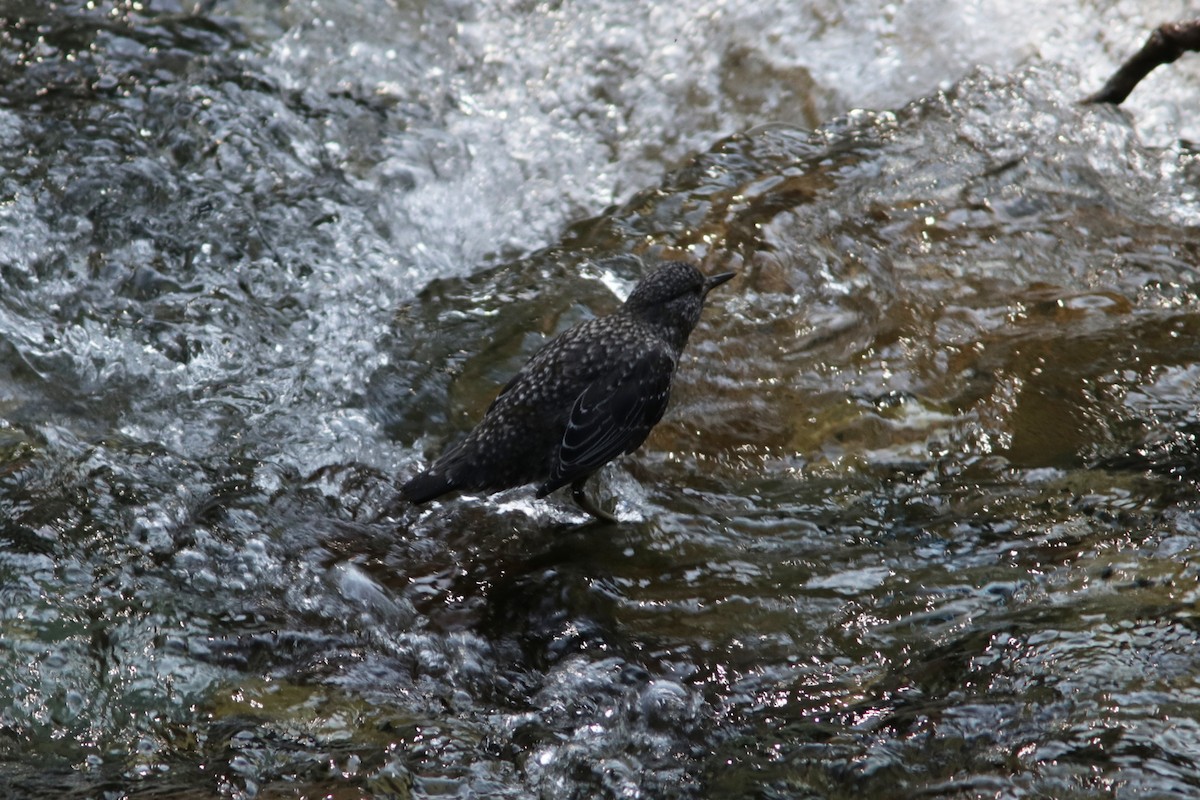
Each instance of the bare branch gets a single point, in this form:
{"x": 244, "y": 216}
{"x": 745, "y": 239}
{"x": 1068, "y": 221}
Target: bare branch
{"x": 1167, "y": 43}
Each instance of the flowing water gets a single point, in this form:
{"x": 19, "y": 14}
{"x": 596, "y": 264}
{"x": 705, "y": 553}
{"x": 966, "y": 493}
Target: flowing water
{"x": 921, "y": 521}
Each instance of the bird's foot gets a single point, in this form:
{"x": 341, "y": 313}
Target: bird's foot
{"x": 583, "y": 501}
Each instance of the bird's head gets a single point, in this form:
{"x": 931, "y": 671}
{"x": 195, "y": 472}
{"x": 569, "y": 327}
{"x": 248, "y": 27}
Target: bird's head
{"x": 671, "y": 297}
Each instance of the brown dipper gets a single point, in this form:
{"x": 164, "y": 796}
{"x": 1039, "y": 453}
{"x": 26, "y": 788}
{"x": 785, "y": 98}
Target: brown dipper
{"x": 587, "y": 396}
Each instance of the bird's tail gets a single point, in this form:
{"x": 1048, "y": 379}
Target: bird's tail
{"x": 427, "y": 486}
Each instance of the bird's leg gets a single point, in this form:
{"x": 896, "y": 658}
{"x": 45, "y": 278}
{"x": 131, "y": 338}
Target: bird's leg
{"x": 583, "y": 501}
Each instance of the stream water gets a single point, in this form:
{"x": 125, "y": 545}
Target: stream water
{"x": 922, "y": 519}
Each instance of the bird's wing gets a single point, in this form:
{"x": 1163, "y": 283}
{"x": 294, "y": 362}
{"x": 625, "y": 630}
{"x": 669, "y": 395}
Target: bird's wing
{"x": 613, "y": 415}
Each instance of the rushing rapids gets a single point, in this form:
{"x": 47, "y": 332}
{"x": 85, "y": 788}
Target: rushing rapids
{"x": 922, "y": 519}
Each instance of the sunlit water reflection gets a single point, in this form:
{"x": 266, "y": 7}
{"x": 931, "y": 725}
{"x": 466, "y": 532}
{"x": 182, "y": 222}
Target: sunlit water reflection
{"x": 922, "y": 518}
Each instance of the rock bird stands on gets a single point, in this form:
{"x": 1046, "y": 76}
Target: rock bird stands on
{"x": 587, "y": 396}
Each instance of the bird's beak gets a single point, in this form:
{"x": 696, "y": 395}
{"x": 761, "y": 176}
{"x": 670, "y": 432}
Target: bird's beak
{"x": 716, "y": 280}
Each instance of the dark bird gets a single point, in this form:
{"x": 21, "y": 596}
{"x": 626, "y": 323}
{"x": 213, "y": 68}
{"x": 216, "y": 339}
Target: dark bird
{"x": 587, "y": 396}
